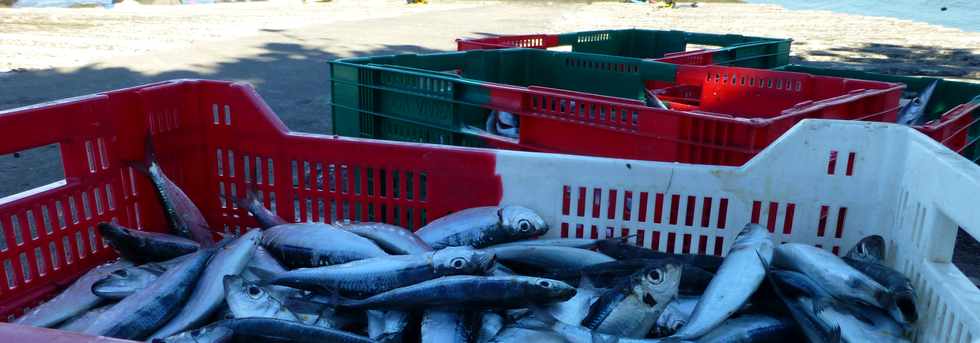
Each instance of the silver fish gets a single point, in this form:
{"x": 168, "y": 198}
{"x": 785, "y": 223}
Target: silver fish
{"x": 444, "y": 325}
{"x": 631, "y": 309}
{"x": 313, "y": 245}
{"x": 124, "y": 282}
{"x": 752, "y": 328}
{"x": 138, "y": 315}
{"x": 490, "y": 324}
{"x": 184, "y": 217}
{"x": 387, "y": 326}
{"x": 262, "y": 215}
{"x": 868, "y": 249}
{"x": 142, "y": 246}
{"x": 374, "y": 275}
{"x": 523, "y": 335}
{"x": 278, "y": 330}
{"x": 483, "y": 226}
{"x": 392, "y": 238}
{"x": 73, "y": 301}
{"x": 209, "y": 292}
{"x": 736, "y": 279}
{"x": 575, "y": 309}
{"x": 914, "y": 112}
{"x": 859, "y": 323}
{"x": 804, "y": 299}
{"x": 263, "y": 266}
{"x": 675, "y": 315}
{"x": 80, "y": 323}
{"x": 548, "y": 257}
{"x": 833, "y": 274}
{"x": 581, "y": 243}
{"x": 867, "y": 256}
{"x": 210, "y": 334}
{"x": 476, "y": 291}
{"x": 246, "y": 299}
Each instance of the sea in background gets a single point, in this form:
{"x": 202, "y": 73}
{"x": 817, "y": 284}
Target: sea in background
{"x": 961, "y": 14}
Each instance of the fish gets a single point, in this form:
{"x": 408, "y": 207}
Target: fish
{"x": 263, "y": 266}
{"x": 444, "y": 325}
{"x": 490, "y": 325}
{"x": 209, "y": 293}
{"x": 467, "y": 290}
{"x": 394, "y": 239}
{"x": 263, "y": 216}
{"x": 523, "y": 335}
{"x": 142, "y": 246}
{"x": 833, "y": 274}
{"x": 185, "y": 219}
{"x": 375, "y": 275}
{"x": 738, "y": 277}
{"x": 577, "y": 308}
{"x": 548, "y": 257}
{"x": 73, "y": 301}
{"x": 278, "y": 330}
{"x": 675, "y": 315}
{"x": 78, "y": 324}
{"x": 313, "y": 245}
{"x": 653, "y": 101}
{"x": 480, "y": 227}
{"x": 693, "y": 279}
{"x": 752, "y": 328}
{"x": 868, "y": 249}
{"x": 913, "y": 113}
{"x": 803, "y": 299}
{"x": 387, "y": 326}
{"x": 631, "y": 309}
{"x": 139, "y": 315}
{"x": 899, "y": 286}
{"x": 124, "y": 282}
{"x": 581, "y": 243}
{"x": 210, "y": 334}
{"x": 621, "y": 250}
{"x": 247, "y": 299}
{"x": 580, "y": 334}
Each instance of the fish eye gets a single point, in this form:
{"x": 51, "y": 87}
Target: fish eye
{"x": 655, "y": 276}
{"x": 458, "y": 263}
{"x": 524, "y": 225}
{"x": 254, "y": 291}
{"x": 544, "y": 283}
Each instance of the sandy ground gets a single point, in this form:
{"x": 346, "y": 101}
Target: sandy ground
{"x": 282, "y": 47}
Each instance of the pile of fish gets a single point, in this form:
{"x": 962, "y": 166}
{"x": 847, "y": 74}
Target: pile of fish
{"x": 477, "y": 275}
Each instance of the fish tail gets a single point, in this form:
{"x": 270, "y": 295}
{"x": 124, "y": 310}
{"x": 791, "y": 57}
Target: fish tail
{"x": 149, "y": 156}
{"x": 251, "y": 197}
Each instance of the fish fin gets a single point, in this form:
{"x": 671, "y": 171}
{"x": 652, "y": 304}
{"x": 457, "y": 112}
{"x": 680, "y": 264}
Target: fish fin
{"x": 149, "y": 156}
{"x": 835, "y": 335}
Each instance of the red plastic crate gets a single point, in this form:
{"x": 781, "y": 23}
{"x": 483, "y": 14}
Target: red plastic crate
{"x": 720, "y": 115}
{"x": 211, "y": 138}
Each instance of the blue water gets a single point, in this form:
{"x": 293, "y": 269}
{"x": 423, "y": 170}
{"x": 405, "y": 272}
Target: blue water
{"x": 961, "y": 14}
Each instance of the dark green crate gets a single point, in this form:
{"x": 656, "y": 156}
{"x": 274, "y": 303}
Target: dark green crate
{"x": 425, "y": 92}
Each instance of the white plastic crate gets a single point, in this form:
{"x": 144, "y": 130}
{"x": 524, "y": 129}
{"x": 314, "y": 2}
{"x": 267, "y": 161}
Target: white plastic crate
{"x": 827, "y": 183}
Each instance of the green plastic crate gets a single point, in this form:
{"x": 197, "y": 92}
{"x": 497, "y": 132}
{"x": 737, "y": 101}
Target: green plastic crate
{"x": 668, "y": 46}
{"x": 426, "y": 100}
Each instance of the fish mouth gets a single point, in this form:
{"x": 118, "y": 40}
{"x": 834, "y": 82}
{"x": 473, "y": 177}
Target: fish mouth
{"x": 649, "y": 300}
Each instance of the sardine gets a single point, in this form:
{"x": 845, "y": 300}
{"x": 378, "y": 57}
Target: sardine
{"x": 375, "y": 275}
{"x": 524, "y": 335}
{"x": 548, "y": 257}
{"x": 142, "y": 246}
{"x": 394, "y": 239}
{"x": 73, "y": 301}
{"x": 387, "y": 326}
{"x": 736, "y": 280}
{"x": 833, "y": 274}
{"x": 675, "y": 315}
{"x": 868, "y": 257}
{"x": 140, "y": 314}
{"x": 581, "y": 243}
{"x": 483, "y": 226}
{"x": 313, "y": 245}
{"x": 868, "y": 249}
{"x": 124, "y": 282}
{"x": 262, "y": 215}
{"x": 246, "y": 299}
{"x": 490, "y": 325}
{"x": 621, "y": 250}
{"x": 445, "y": 325}
{"x": 914, "y": 112}
{"x": 278, "y": 330}
{"x": 693, "y": 279}
{"x": 209, "y": 292}
{"x": 80, "y": 323}
{"x": 209, "y": 334}
{"x": 804, "y": 299}
{"x": 632, "y": 308}
{"x": 752, "y": 328}
{"x": 577, "y": 308}
{"x": 475, "y": 291}
{"x": 263, "y": 266}
{"x": 184, "y": 217}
